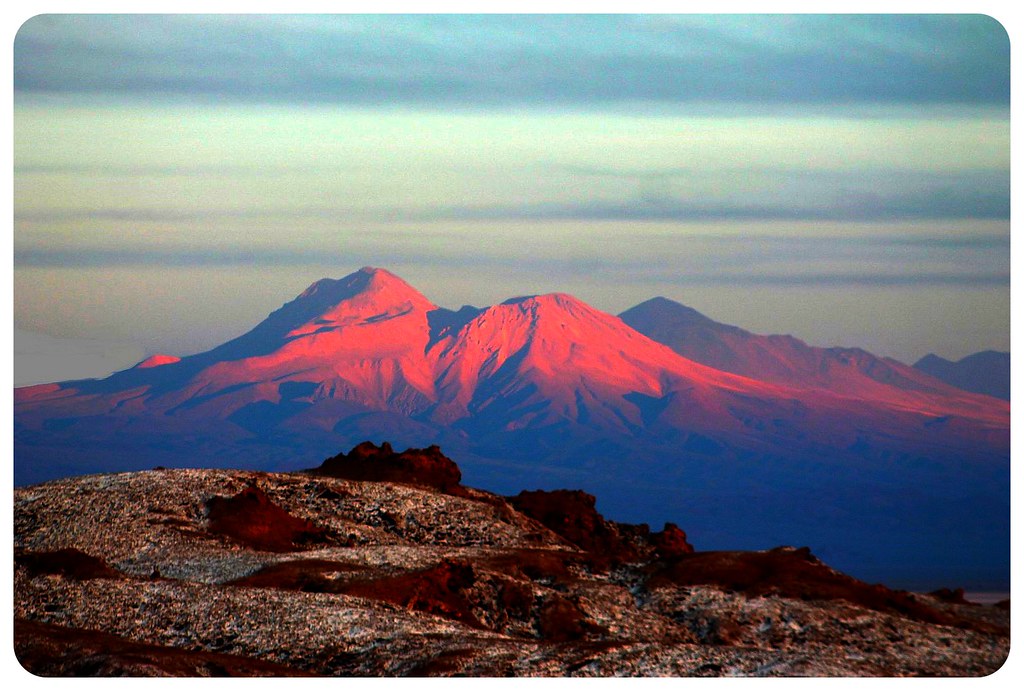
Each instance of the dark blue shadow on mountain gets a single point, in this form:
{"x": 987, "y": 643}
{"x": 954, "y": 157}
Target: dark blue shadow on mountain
{"x": 444, "y": 322}
{"x": 293, "y": 390}
{"x": 650, "y": 407}
{"x": 987, "y": 372}
{"x": 262, "y": 416}
{"x": 703, "y": 445}
{"x": 199, "y": 400}
{"x": 59, "y": 423}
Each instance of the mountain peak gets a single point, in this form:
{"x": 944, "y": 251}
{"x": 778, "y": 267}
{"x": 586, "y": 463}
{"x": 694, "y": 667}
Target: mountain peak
{"x": 368, "y": 295}
{"x": 375, "y": 274}
{"x": 369, "y": 286}
{"x": 987, "y": 372}
{"x": 545, "y": 299}
{"x": 664, "y": 309}
{"x": 366, "y": 278}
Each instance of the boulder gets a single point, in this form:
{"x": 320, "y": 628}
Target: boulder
{"x": 367, "y": 462}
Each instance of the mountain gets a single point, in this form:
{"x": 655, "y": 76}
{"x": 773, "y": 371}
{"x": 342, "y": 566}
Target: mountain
{"x": 784, "y": 359}
{"x": 547, "y": 391}
{"x": 987, "y": 372}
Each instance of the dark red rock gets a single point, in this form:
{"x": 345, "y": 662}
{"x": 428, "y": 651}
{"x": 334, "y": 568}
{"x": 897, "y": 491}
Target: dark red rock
{"x": 671, "y": 542}
{"x": 367, "y": 462}
{"x": 250, "y": 517}
{"x": 955, "y": 597}
{"x": 438, "y": 590}
{"x": 571, "y": 515}
{"x": 798, "y": 574}
{"x": 537, "y": 564}
{"x": 562, "y": 620}
{"x": 515, "y": 599}
{"x": 70, "y": 563}
{"x": 306, "y": 575}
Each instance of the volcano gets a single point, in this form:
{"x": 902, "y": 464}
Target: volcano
{"x": 547, "y": 391}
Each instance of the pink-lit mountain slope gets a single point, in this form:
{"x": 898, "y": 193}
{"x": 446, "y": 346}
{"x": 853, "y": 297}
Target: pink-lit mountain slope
{"x": 788, "y": 361}
{"x": 157, "y": 360}
{"x": 371, "y": 342}
{"x": 361, "y": 338}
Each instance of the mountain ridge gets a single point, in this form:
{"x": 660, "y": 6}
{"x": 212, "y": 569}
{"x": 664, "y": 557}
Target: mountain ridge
{"x": 779, "y": 358}
{"x": 985, "y": 372}
{"x": 375, "y": 322}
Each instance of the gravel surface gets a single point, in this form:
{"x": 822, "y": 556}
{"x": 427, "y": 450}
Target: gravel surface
{"x": 410, "y": 581}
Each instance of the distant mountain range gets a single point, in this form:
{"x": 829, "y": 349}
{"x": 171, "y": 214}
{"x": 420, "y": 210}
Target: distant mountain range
{"x": 987, "y": 372}
{"x": 751, "y": 439}
{"x": 783, "y": 359}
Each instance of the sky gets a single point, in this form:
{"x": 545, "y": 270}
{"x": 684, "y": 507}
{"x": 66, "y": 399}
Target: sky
{"x": 844, "y": 179}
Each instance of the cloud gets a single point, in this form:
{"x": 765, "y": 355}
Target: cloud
{"x": 861, "y": 279}
{"x": 823, "y": 260}
{"x": 933, "y": 204}
{"x": 88, "y": 256}
{"x": 191, "y": 169}
{"x": 490, "y": 60}
{"x": 781, "y": 193}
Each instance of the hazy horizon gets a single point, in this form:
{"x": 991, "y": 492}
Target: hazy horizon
{"x": 40, "y": 358}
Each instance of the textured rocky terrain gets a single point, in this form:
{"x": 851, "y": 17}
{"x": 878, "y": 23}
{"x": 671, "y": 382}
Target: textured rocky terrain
{"x": 383, "y": 563}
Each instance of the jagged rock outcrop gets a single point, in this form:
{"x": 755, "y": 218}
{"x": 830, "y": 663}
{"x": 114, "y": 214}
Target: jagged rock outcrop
{"x": 794, "y": 573}
{"x": 950, "y": 595}
{"x": 671, "y": 542}
{"x": 227, "y": 572}
{"x": 572, "y": 514}
{"x": 250, "y": 517}
{"x": 423, "y": 467}
{"x": 67, "y": 563}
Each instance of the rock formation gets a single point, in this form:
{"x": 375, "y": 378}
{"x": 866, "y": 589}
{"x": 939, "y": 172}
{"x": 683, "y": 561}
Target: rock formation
{"x": 227, "y": 572}
{"x": 424, "y": 467}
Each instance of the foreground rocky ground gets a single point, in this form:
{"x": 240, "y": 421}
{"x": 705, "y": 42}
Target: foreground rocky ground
{"x": 384, "y": 564}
